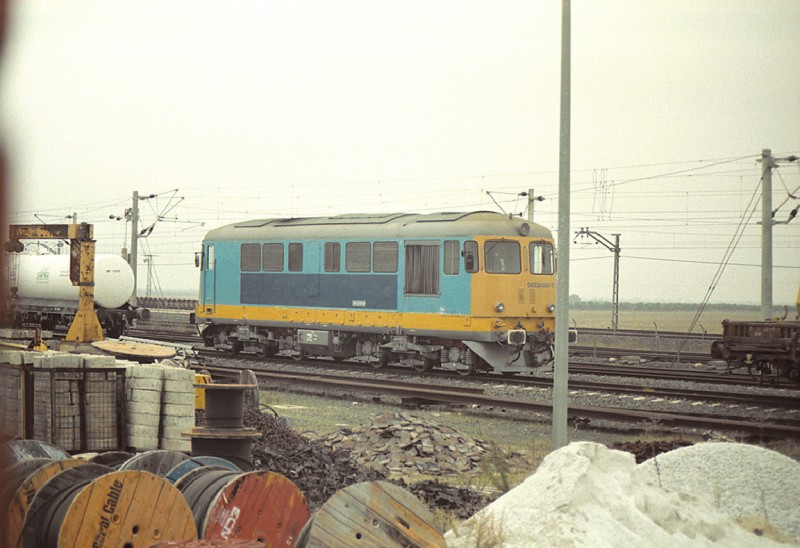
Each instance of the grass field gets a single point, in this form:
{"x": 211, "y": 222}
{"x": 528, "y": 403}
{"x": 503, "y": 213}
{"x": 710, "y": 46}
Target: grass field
{"x": 677, "y": 320}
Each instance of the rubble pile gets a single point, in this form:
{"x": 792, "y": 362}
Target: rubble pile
{"x": 644, "y": 450}
{"x": 318, "y": 470}
{"x": 396, "y": 444}
{"x": 461, "y": 502}
{"x": 322, "y": 467}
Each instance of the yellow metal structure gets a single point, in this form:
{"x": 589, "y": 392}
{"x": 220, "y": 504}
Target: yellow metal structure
{"x": 199, "y": 392}
{"x": 85, "y": 327}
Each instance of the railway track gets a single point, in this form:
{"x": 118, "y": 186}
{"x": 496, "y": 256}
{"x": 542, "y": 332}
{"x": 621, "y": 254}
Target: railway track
{"x": 576, "y": 367}
{"x": 475, "y": 397}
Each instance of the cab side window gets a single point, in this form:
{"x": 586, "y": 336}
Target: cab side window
{"x": 542, "y": 258}
{"x": 471, "y": 262}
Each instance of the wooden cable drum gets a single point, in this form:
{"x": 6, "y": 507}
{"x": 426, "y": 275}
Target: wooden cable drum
{"x": 157, "y": 461}
{"x": 64, "y": 485}
{"x": 199, "y": 488}
{"x": 264, "y": 506}
{"x": 371, "y": 514}
{"x": 212, "y": 544}
{"x": 112, "y": 459}
{"x": 187, "y": 479}
{"x": 22, "y": 498}
{"x": 133, "y": 350}
{"x": 19, "y": 450}
{"x": 127, "y": 508}
{"x": 183, "y": 468}
{"x": 11, "y": 478}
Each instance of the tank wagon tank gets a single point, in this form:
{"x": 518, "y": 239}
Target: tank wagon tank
{"x": 460, "y": 291}
{"x": 41, "y": 293}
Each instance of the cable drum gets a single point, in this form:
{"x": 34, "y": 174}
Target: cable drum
{"x": 261, "y": 505}
{"x": 12, "y": 477}
{"x": 112, "y": 459}
{"x": 228, "y": 505}
{"x": 200, "y": 486}
{"x": 94, "y": 506}
{"x": 48, "y": 506}
{"x": 157, "y": 461}
{"x": 183, "y": 468}
{"x": 21, "y": 500}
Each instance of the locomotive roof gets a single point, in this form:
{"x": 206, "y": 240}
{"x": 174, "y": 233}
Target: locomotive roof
{"x": 380, "y": 225}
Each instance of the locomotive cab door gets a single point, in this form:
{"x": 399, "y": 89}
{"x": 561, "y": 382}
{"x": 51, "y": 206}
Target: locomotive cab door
{"x": 209, "y": 276}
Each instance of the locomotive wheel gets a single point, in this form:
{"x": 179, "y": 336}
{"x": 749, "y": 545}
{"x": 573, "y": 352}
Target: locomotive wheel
{"x": 383, "y": 360}
{"x": 426, "y": 365}
{"x": 265, "y": 350}
{"x": 467, "y": 371}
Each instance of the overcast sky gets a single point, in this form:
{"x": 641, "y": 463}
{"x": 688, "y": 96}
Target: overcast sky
{"x": 254, "y": 109}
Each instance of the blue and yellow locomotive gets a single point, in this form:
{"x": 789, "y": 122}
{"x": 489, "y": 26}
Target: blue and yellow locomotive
{"x": 460, "y": 291}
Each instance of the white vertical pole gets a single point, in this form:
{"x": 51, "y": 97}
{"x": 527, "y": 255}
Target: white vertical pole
{"x": 134, "y": 259}
{"x": 767, "y": 163}
{"x": 531, "y": 201}
{"x": 561, "y": 368}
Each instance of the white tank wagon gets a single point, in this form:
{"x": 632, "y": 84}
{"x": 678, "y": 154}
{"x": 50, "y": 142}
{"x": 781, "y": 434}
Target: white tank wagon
{"x": 41, "y": 293}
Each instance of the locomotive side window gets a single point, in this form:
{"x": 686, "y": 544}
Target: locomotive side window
{"x": 250, "y": 258}
{"x": 333, "y": 256}
{"x": 502, "y": 257}
{"x": 451, "y": 257}
{"x": 384, "y": 257}
{"x": 422, "y": 269}
{"x": 471, "y": 256}
{"x": 295, "y": 257}
{"x": 357, "y": 257}
{"x": 272, "y": 258}
{"x": 541, "y": 258}
{"x": 211, "y": 260}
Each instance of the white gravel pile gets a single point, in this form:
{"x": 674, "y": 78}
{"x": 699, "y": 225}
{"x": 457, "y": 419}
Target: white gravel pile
{"x": 743, "y": 481}
{"x": 588, "y": 495}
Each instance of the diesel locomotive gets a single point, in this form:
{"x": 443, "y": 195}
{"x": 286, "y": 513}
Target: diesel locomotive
{"x": 466, "y": 292}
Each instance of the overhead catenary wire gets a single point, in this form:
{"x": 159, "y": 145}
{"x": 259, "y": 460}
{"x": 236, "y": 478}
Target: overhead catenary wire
{"x": 754, "y": 200}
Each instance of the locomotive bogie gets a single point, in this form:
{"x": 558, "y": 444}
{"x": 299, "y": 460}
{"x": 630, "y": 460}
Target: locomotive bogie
{"x": 458, "y": 291}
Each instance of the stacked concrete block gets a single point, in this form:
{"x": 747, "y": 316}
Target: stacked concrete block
{"x": 177, "y": 408}
{"x": 11, "y": 396}
{"x": 143, "y": 391}
{"x": 160, "y": 407}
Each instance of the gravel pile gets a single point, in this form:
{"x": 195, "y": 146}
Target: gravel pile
{"x": 746, "y": 482}
{"x": 588, "y": 495}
